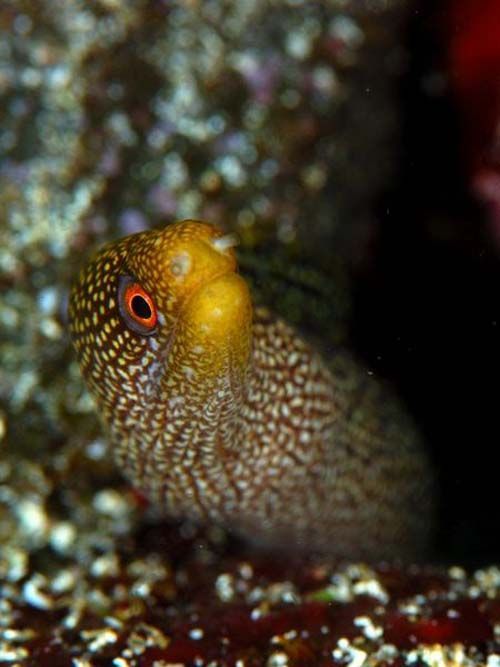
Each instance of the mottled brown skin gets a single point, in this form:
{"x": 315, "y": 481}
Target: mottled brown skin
{"x": 225, "y": 414}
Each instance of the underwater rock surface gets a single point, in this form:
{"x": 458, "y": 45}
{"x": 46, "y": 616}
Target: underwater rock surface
{"x": 169, "y": 596}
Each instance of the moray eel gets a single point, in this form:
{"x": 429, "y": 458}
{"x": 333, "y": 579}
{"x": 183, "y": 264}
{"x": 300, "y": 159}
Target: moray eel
{"x": 221, "y": 412}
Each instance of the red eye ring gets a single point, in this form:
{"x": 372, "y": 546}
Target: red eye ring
{"x": 137, "y": 307}
{"x": 140, "y": 305}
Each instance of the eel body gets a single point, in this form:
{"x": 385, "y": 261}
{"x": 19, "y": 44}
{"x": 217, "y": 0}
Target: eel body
{"x": 221, "y": 412}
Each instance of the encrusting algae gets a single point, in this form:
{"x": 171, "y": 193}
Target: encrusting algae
{"x": 220, "y": 413}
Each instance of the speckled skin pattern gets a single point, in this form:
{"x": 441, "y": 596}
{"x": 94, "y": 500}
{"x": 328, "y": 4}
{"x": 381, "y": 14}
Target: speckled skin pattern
{"x": 225, "y": 413}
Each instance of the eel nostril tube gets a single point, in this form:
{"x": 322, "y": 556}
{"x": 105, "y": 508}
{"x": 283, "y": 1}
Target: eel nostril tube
{"x": 223, "y": 243}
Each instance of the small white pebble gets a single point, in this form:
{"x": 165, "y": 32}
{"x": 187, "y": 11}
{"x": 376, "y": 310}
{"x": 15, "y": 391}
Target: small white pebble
{"x": 373, "y": 588}
{"x": 224, "y": 586}
{"x": 368, "y": 628}
{"x": 100, "y": 638}
{"x": 12, "y": 654}
{"x": 121, "y": 662}
{"x": 277, "y": 659}
{"x": 457, "y": 573}
{"x": 105, "y": 566}
{"x": 33, "y": 594}
{"x": 33, "y": 519}
{"x": 196, "y": 633}
{"x": 62, "y": 536}
{"x": 64, "y": 581}
{"x": 110, "y": 502}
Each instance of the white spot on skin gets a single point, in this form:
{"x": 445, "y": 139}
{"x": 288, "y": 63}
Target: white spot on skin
{"x": 305, "y": 437}
{"x": 189, "y": 372}
{"x": 153, "y": 344}
{"x": 285, "y": 410}
{"x": 175, "y": 401}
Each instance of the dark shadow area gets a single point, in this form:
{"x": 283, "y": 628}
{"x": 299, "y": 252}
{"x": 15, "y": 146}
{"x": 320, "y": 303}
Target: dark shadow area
{"x": 427, "y": 312}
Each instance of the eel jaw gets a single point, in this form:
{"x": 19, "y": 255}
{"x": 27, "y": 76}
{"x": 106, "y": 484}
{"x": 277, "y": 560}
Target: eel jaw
{"x": 220, "y": 306}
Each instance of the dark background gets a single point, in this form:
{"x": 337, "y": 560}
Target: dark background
{"x": 426, "y": 310}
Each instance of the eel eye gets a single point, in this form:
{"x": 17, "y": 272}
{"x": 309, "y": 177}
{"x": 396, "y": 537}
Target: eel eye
{"x": 136, "y": 307}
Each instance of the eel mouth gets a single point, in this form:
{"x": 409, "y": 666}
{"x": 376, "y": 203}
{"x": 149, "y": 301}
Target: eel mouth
{"x": 202, "y": 298}
{"x": 214, "y": 310}
{"x": 219, "y": 306}
{"x": 206, "y": 274}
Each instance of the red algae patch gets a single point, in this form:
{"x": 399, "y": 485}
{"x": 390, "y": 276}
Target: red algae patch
{"x": 174, "y": 596}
